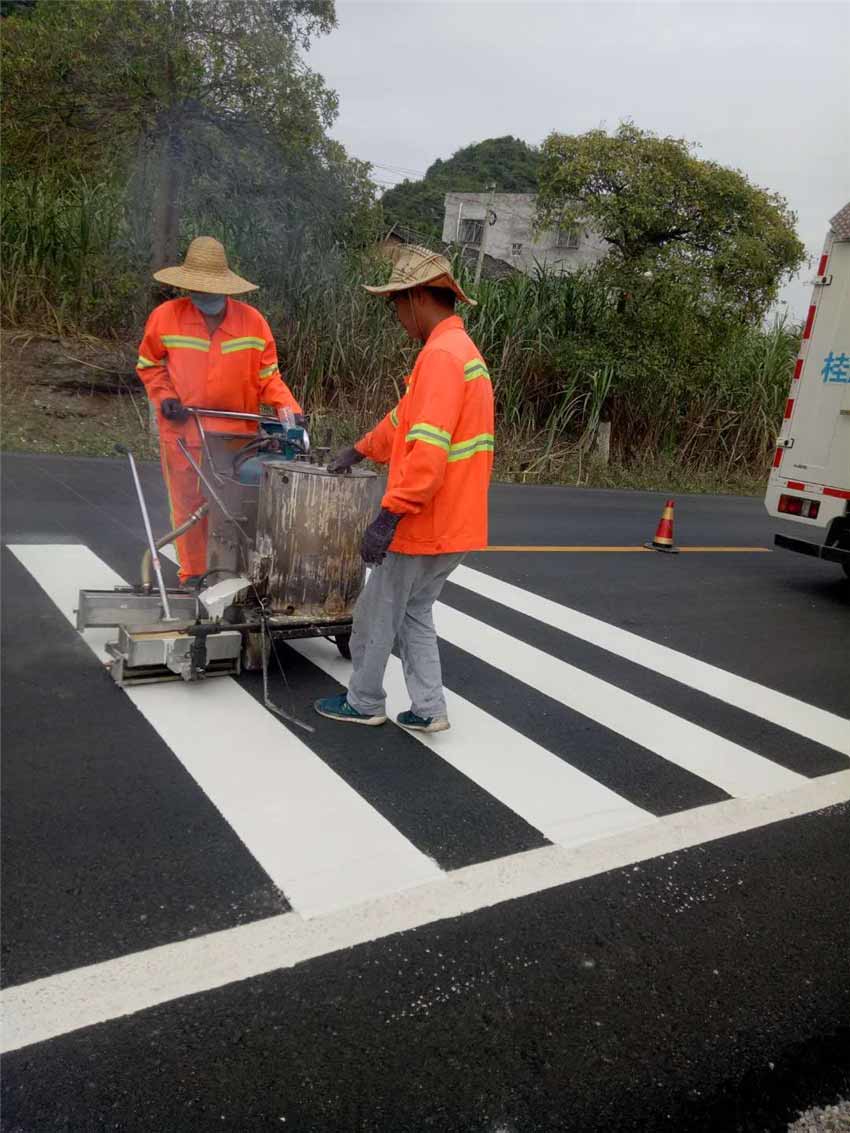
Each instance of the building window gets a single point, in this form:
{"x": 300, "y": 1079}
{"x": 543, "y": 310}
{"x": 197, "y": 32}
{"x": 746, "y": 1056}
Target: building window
{"x": 566, "y": 237}
{"x": 516, "y": 249}
{"x": 470, "y": 231}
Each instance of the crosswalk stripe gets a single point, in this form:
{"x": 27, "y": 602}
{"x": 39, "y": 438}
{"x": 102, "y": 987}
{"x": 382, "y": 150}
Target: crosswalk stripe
{"x": 735, "y": 769}
{"x": 318, "y": 840}
{"x": 84, "y": 997}
{"x": 786, "y": 711}
{"x": 567, "y": 806}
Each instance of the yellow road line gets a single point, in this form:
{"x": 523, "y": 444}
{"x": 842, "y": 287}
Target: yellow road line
{"x": 640, "y": 550}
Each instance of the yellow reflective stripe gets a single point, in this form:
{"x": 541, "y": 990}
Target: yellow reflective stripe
{"x": 422, "y": 431}
{"x": 144, "y": 363}
{"x": 184, "y": 342}
{"x": 427, "y": 439}
{"x": 394, "y": 418}
{"x": 235, "y": 344}
{"x": 267, "y": 371}
{"x": 484, "y": 442}
{"x": 475, "y": 369}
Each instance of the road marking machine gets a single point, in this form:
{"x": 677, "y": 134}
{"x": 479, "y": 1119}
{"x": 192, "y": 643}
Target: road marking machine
{"x": 283, "y": 561}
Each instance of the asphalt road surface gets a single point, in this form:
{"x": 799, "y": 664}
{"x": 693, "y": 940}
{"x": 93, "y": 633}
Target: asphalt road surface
{"x": 614, "y": 897}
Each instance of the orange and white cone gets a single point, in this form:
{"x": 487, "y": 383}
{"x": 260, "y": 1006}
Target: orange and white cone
{"x": 663, "y": 540}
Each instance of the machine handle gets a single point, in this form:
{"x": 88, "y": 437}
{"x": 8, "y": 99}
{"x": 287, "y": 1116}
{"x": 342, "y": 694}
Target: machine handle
{"x": 231, "y": 415}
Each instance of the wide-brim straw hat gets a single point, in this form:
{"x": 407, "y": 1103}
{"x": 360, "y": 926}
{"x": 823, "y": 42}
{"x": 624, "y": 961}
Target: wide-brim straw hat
{"x": 414, "y": 266}
{"x": 205, "y": 269}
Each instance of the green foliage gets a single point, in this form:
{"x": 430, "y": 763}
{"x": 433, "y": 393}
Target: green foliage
{"x": 509, "y": 163}
{"x": 203, "y": 108}
{"x": 131, "y": 126}
{"x": 710, "y": 238}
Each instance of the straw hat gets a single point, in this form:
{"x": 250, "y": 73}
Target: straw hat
{"x": 205, "y": 269}
{"x": 414, "y": 266}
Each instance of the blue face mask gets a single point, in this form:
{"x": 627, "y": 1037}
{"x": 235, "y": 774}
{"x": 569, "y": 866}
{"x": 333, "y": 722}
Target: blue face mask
{"x": 208, "y": 304}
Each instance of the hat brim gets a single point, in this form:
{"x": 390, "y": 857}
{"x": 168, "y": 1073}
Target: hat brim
{"x": 441, "y": 280}
{"x": 228, "y": 283}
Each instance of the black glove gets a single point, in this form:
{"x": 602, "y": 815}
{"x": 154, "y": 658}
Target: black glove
{"x": 377, "y": 537}
{"x": 345, "y": 460}
{"x": 172, "y": 409}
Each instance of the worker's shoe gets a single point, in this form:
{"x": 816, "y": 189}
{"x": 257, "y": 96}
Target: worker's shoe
{"x": 338, "y": 708}
{"x": 414, "y": 723}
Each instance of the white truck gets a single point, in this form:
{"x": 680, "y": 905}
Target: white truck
{"x": 810, "y": 478}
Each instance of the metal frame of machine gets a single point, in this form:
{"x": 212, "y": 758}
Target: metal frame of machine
{"x": 267, "y": 589}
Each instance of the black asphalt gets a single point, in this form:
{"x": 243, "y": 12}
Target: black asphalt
{"x": 706, "y": 990}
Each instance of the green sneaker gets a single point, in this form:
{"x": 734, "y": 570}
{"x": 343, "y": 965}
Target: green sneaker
{"x": 338, "y": 708}
{"x": 430, "y": 724}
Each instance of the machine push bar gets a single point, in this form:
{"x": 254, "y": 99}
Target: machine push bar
{"x": 226, "y": 413}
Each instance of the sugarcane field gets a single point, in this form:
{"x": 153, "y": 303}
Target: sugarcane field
{"x": 425, "y": 464}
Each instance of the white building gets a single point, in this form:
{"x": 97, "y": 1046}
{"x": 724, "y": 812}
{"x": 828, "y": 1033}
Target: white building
{"x": 511, "y": 236}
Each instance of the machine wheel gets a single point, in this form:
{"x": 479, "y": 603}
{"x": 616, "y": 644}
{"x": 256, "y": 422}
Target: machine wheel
{"x": 343, "y": 644}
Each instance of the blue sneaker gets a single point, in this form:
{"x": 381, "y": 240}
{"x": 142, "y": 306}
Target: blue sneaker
{"x": 414, "y": 723}
{"x": 338, "y": 708}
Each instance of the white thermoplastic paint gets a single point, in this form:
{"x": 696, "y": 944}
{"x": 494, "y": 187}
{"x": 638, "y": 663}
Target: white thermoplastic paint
{"x": 735, "y": 769}
{"x": 786, "y": 711}
{"x": 318, "y": 840}
{"x": 560, "y": 801}
{"x": 55, "y": 1005}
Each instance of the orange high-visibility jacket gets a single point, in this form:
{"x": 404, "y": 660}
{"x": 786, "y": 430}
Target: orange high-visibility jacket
{"x": 438, "y": 442}
{"x": 236, "y": 369}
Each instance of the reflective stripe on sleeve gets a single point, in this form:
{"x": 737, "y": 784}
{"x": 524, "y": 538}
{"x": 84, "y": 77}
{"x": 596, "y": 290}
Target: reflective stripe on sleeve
{"x": 145, "y": 363}
{"x": 267, "y": 371}
{"x": 430, "y": 434}
{"x": 185, "y": 342}
{"x": 243, "y": 344}
{"x": 466, "y": 449}
{"x": 394, "y": 418}
{"x": 475, "y": 369}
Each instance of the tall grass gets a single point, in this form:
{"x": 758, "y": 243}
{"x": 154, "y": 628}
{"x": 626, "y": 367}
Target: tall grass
{"x": 558, "y": 349}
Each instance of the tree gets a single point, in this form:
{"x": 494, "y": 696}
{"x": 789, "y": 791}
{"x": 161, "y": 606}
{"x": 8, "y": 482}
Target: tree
{"x": 508, "y": 162}
{"x": 675, "y": 224}
{"x": 204, "y": 99}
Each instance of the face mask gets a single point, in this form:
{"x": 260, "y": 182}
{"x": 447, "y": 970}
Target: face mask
{"x": 208, "y": 304}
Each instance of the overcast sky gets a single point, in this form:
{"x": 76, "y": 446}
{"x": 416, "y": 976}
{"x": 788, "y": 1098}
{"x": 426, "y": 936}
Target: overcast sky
{"x": 762, "y": 86}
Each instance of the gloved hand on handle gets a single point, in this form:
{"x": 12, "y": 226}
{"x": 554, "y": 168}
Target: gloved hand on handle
{"x": 172, "y": 409}
{"x": 378, "y": 536}
{"x": 345, "y": 460}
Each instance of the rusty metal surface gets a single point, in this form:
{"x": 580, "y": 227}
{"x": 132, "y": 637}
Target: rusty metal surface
{"x": 309, "y": 527}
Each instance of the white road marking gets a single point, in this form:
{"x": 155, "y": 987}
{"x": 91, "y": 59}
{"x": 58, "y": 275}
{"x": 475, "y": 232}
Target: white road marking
{"x": 53, "y": 1006}
{"x": 804, "y": 719}
{"x": 317, "y": 838}
{"x": 560, "y": 801}
{"x": 735, "y": 769}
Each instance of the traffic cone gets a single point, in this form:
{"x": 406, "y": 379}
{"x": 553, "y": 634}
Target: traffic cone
{"x": 663, "y": 540}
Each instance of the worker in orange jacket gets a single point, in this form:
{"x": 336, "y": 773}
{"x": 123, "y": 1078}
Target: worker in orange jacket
{"x": 208, "y": 351}
{"x": 438, "y": 442}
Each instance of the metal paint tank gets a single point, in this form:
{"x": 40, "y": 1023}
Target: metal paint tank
{"x": 309, "y": 526}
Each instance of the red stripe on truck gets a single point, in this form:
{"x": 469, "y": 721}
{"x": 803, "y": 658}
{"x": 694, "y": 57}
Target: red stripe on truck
{"x": 777, "y": 458}
{"x": 822, "y": 264}
{"x": 839, "y": 493}
{"x": 796, "y": 484}
{"x": 798, "y": 369}
{"x": 789, "y": 407}
{"x": 810, "y": 318}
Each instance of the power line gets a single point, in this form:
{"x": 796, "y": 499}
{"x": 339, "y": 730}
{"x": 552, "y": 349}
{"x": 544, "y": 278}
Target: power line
{"x": 399, "y": 169}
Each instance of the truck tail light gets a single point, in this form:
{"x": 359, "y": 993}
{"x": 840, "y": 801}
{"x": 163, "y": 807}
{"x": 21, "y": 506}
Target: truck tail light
{"x": 796, "y": 505}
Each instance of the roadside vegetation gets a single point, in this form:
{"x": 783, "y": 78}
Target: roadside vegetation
{"x": 108, "y": 172}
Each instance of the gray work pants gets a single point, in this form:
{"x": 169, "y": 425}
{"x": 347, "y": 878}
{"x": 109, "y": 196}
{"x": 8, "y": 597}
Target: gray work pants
{"x": 396, "y": 606}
